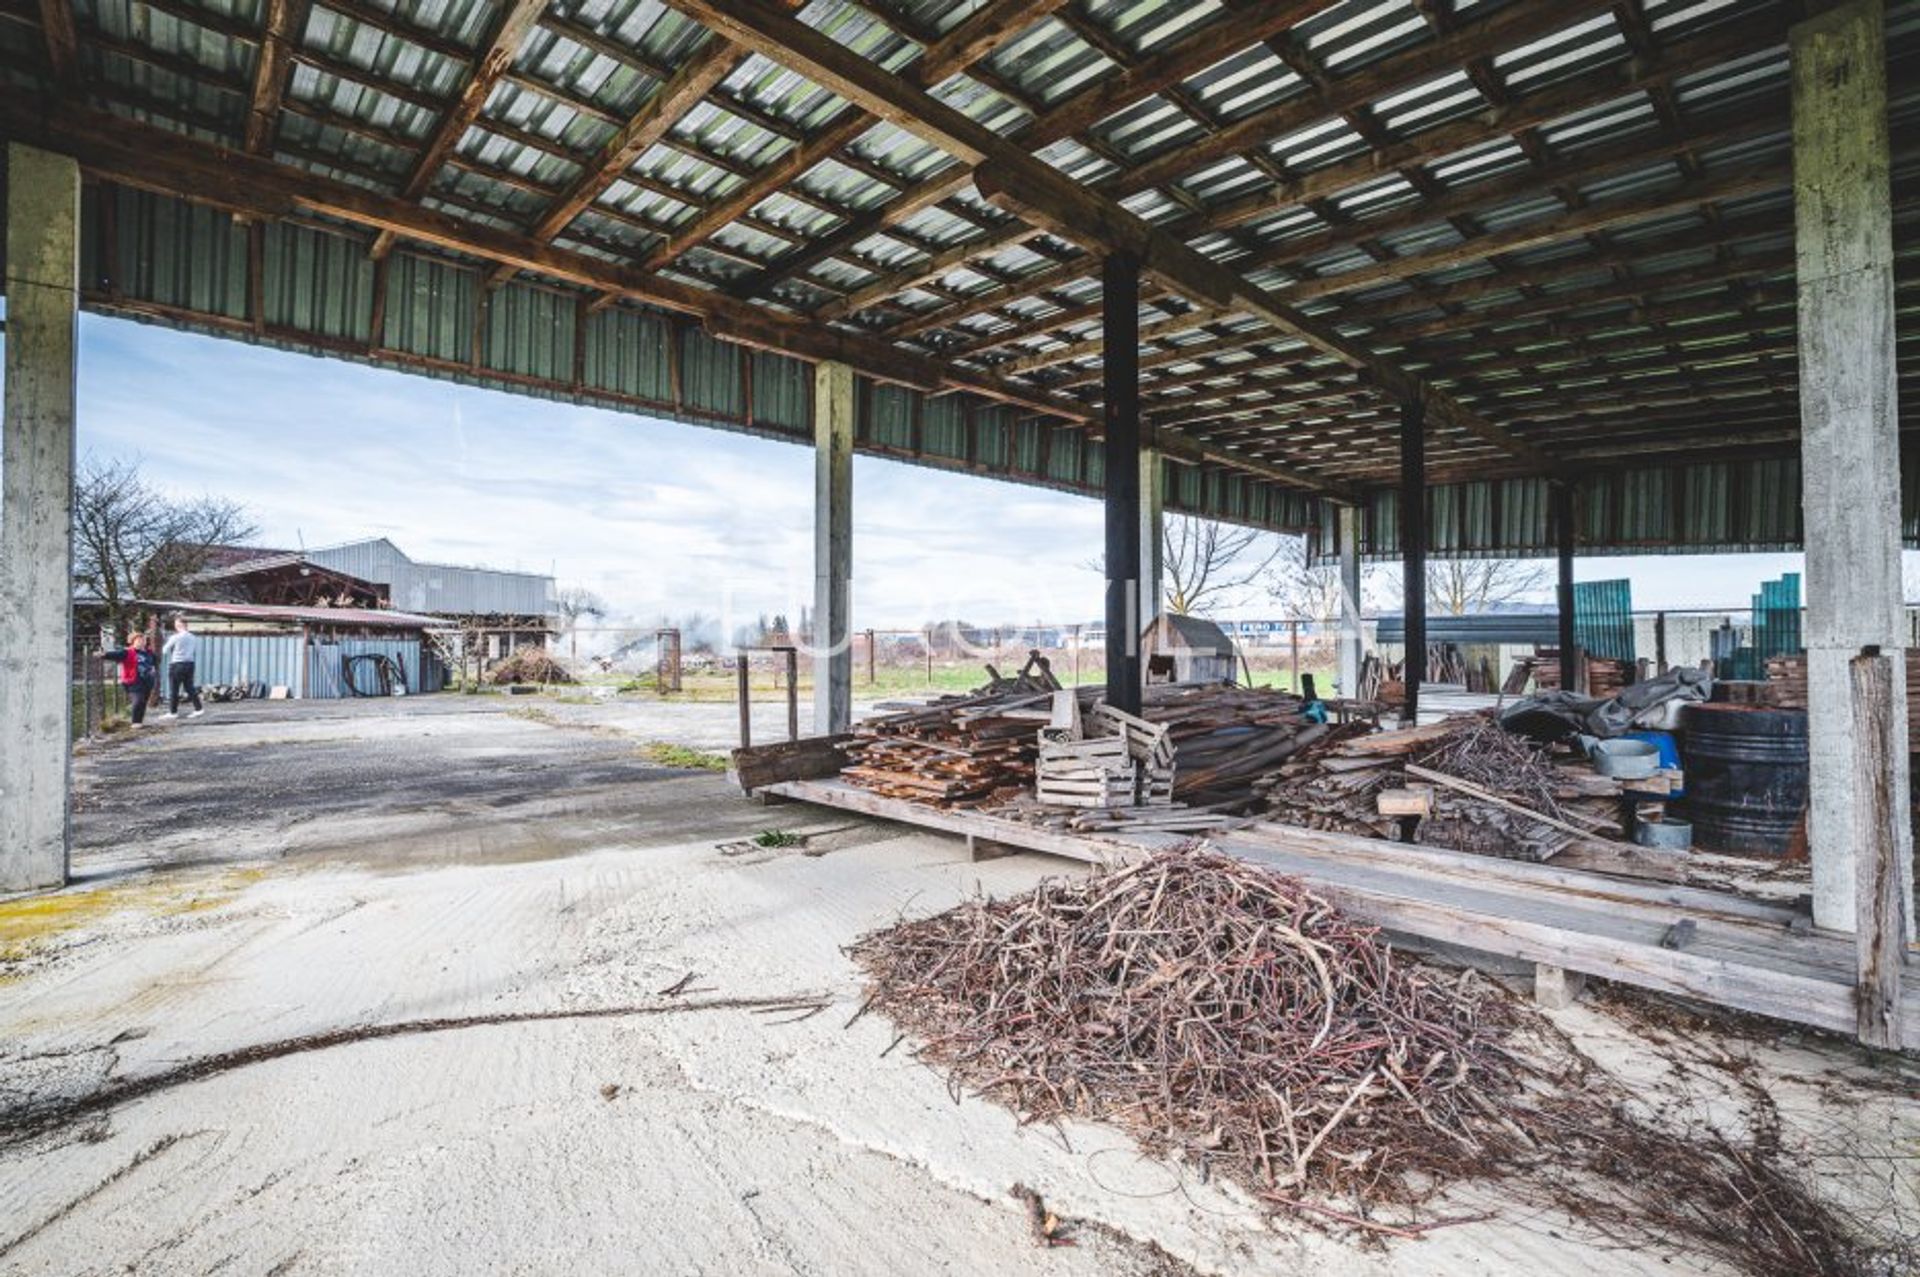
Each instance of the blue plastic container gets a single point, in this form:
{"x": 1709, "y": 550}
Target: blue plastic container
{"x": 1669, "y": 752}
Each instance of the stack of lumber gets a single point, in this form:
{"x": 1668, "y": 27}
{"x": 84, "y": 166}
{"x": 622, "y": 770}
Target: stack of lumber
{"x": 1225, "y": 738}
{"x": 1605, "y": 677}
{"x": 957, "y": 751}
{"x": 1787, "y": 685}
{"x": 1462, "y": 784}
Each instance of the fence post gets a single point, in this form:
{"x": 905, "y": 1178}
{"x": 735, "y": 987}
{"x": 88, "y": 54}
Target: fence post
{"x": 746, "y": 706}
{"x": 793, "y": 693}
{"x": 1293, "y": 639}
{"x": 929, "y": 662}
{"x": 870, "y": 677}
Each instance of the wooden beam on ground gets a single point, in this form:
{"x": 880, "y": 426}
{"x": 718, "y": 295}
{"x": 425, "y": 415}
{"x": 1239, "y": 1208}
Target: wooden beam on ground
{"x": 656, "y": 116}
{"x": 286, "y": 21}
{"x": 517, "y": 18}
{"x": 1049, "y": 198}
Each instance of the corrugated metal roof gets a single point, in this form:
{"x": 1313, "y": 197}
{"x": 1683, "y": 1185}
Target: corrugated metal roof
{"x": 340, "y": 616}
{"x": 1360, "y": 163}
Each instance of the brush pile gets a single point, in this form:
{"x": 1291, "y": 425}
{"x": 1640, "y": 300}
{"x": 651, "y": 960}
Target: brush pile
{"x": 1215, "y": 1011}
{"x": 528, "y": 665}
{"x": 1340, "y": 785}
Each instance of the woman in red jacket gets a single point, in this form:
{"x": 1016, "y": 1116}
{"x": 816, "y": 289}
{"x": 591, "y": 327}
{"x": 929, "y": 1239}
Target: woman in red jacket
{"x": 138, "y": 671}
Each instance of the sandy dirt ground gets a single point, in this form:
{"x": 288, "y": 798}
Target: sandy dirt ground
{"x": 517, "y": 891}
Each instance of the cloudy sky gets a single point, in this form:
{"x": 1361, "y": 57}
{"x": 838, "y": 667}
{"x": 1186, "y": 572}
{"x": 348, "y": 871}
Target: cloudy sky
{"x": 658, "y": 517}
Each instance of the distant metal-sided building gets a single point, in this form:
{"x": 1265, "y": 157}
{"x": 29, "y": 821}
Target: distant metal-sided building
{"x": 499, "y": 610}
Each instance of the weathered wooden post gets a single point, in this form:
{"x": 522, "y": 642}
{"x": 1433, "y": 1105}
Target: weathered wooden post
{"x": 1880, "y": 868}
{"x": 746, "y": 704}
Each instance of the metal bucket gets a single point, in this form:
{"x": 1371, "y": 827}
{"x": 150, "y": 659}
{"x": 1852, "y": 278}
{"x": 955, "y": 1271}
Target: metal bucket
{"x": 1746, "y": 773}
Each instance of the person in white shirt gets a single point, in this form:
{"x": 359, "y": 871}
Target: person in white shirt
{"x": 178, "y": 656}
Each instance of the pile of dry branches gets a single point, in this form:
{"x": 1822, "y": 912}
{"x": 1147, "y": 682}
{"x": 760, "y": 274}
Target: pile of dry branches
{"x": 1228, "y": 1016}
{"x": 529, "y": 665}
{"x": 1214, "y": 1010}
{"x": 1478, "y": 750}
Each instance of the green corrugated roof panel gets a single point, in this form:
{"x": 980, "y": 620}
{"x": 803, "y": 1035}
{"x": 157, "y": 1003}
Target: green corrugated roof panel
{"x": 316, "y": 282}
{"x": 710, "y": 375}
{"x": 888, "y": 419}
{"x": 943, "y": 427}
{"x": 783, "y": 393}
{"x": 530, "y": 332}
{"x": 993, "y": 434}
{"x": 430, "y": 307}
{"x": 179, "y": 254}
{"x": 627, "y": 354}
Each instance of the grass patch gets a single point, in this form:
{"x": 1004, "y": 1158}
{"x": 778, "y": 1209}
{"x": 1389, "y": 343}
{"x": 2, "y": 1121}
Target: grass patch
{"x": 778, "y": 838}
{"x": 667, "y": 754}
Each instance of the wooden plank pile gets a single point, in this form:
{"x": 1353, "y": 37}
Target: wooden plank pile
{"x": 957, "y": 751}
{"x": 1787, "y": 688}
{"x": 1605, "y": 677}
{"x": 1462, "y": 784}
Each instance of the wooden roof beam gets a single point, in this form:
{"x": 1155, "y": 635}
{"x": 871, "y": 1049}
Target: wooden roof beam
{"x": 1077, "y": 114}
{"x": 63, "y": 43}
{"x": 975, "y": 37}
{"x": 1045, "y": 196}
{"x": 517, "y": 18}
{"x": 150, "y": 158}
{"x": 286, "y": 21}
{"x": 651, "y": 123}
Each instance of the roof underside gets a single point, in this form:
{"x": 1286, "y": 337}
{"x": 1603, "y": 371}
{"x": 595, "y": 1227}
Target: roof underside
{"x": 1567, "y": 224}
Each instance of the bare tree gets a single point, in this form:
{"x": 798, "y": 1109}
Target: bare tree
{"x": 1309, "y": 591}
{"x": 1209, "y": 565}
{"x": 131, "y": 541}
{"x": 1460, "y": 587}
{"x": 576, "y": 603}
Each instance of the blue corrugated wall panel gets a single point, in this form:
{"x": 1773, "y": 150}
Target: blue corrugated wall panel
{"x": 273, "y": 659}
{"x": 326, "y": 681}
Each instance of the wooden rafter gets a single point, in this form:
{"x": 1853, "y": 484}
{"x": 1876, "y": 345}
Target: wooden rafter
{"x": 285, "y": 21}
{"x": 516, "y": 19}
{"x": 973, "y": 39}
{"x": 154, "y": 159}
{"x": 1047, "y": 197}
{"x": 1074, "y": 116}
{"x": 658, "y": 114}
{"x": 63, "y": 42}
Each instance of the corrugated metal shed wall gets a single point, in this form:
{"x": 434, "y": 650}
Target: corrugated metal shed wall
{"x": 1734, "y": 506}
{"x": 161, "y": 258}
{"x": 273, "y": 659}
{"x": 325, "y": 681}
{"x": 166, "y": 261}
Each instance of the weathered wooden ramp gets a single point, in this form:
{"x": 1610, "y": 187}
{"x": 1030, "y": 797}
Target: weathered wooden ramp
{"x": 1737, "y": 953}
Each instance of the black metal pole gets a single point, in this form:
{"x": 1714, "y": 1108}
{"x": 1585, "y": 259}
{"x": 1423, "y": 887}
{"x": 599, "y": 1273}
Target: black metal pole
{"x": 1120, "y": 333}
{"x": 1561, "y": 498}
{"x": 1413, "y": 547}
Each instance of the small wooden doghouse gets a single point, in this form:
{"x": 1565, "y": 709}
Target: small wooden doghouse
{"x": 1186, "y": 649}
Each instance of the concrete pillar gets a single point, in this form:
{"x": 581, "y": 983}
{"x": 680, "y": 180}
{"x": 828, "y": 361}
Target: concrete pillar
{"x": 833, "y": 408}
{"x": 1153, "y": 494}
{"x": 1850, "y": 443}
{"x": 1352, "y": 638}
{"x": 36, "y": 515}
{"x": 1120, "y": 331}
